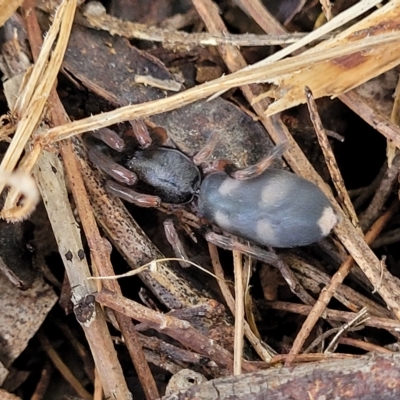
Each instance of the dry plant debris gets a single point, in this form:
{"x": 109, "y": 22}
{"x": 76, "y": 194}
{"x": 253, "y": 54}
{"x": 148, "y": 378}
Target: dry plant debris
{"x": 70, "y": 68}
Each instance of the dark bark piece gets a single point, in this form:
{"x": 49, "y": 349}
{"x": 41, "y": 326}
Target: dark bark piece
{"x": 107, "y": 65}
{"x": 368, "y": 377}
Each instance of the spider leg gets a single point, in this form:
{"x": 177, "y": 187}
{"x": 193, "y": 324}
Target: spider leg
{"x": 130, "y": 195}
{"x": 173, "y": 239}
{"x": 106, "y": 164}
{"x": 257, "y": 169}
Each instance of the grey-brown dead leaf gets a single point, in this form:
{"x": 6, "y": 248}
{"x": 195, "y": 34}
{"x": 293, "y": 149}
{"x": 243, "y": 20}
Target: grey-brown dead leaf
{"x": 337, "y": 76}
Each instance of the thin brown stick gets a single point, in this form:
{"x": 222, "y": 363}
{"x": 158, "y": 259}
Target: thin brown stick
{"x": 364, "y": 345}
{"x": 382, "y": 193}
{"x": 62, "y": 367}
{"x": 83, "y": 352}
{"x": 334, "y": 315}
{"x": 312, "y": 357}
{"x": 109, "y": 369}
{"x": 263, "y": 353}
{"x": 102, "y": 262}
{"x": 259, "y": 13}
{"x": 44, "y": 382}
{"x": 98, "y": 387}
{"x": 330, "y": 159}
{"x": 239, "y": 313}
{"x": 97, "y": 17}
{"x": 179, "y": 330}
{"x": 371, "y": 116}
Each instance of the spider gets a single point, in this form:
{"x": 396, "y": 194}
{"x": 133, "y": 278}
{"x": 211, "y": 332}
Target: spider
{"x": 268, "y": 206}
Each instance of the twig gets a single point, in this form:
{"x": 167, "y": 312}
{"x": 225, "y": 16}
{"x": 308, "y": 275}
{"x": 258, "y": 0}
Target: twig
{"x": 313, "y": 279}
{"x": 179, "y": 330}
{"x": 382, "y": 193}
{"x": 334, "y": 315}
{"x": 265, "y": 354}
{"x": 239, "y": 78}
{"x": 256, "y": 9}
{"x": 49, "y": 174}
{"x": 44, "y": 382}
{"x": 239, "y": 313}
{"x": 371, "y": 116}
{"x": 83, "y": 353}
{"x": 370, "y": 347}
{"x": 97, "y": 17}
{"x": 330, "y": 159}
{"x": 62, "y": 367}
{"x": 101, "y": 260}
{"x": 313, "y": 357}
{"x": 31, "y": 102}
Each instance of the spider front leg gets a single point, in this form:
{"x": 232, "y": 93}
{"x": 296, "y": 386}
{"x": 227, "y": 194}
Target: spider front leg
{"x": 110, "y": 138}
{"x": 116, "y": 171}
{"x": 255, "y": 170}
{"x": 249, "y": 172}
{"x": 111, "y": 168}
{"x": 131, "y": 196}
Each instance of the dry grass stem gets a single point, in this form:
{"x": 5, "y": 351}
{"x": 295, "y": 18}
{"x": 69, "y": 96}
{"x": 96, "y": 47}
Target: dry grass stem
{"x": 391, "y": 325}
{"x": 359, "y": 319}
{"x": 8, "y": 8}
{"x": 349, "y": 71}
{"x": 327, "y": 9}
{"x": 343, "y": 18}
{"x": 239, "y": 78}
{"x": 261, "y": 349}
{"x": 32, "y": 101}
{"x": 239, "y": 313}
{"x": 97, "y": 17}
